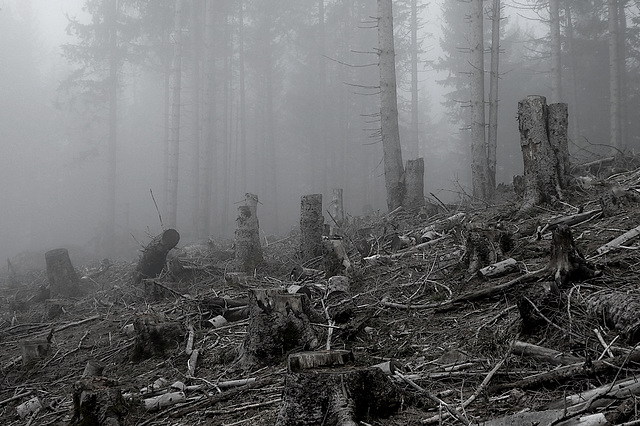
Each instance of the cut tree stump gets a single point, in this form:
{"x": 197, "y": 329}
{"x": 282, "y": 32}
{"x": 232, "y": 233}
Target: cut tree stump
{"x": 543, "y": 144}
{"x": 154, "y": 255}
{"x": 567, "y": 262}
{"x": 324, "y": 388}
{"x": 335, "y": 258}
{"x": 311, "y": 226}
{"x": 414, "y": 183}
{"x": 278, "y": 324}
{"x": 248, "y": 252}
{"x": 338, "y": 301}
{"x": 336, "y": 210}
{"x": 155, "y": 336}
{"x": 98, "y": 401}
{"x": 63, "y": 279}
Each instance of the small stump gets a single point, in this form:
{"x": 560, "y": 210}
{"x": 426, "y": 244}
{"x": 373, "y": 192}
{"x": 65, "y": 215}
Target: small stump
{"x": 278, "y": 324}
{"x": 154, "y": 337}
{"x": 97, "y": 401}
{"x": 63, "y": 280}
{"x": 248, "y": 254}
{"x": 325, "y": 388}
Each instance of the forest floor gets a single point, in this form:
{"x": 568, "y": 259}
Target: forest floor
{"x": 460, "y": 353}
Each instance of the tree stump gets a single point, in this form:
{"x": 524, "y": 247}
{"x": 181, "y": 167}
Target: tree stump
{"x": 337, "y": 212}
{"x": 543, "y": 144}
{"x": 335, "y": 258}
{"x": 97, "y": 401}
{"x": 154, "y": 255}
{"x": 248, "y": 253}
{"x": 63, "y": 280}
{"x": 154, "y": 336}
{"x": 278, "y": 324}
{"x": 324, "y": 388}
{"x": 567, "y": 262}
{"x": 311, "y": 226}
{"x": 414, "y": 183}
{"x": 338, "y": 301}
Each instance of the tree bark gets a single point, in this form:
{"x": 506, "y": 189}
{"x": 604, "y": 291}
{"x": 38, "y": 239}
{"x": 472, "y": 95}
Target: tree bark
{"x": 97, "y": 401}
{"x": 63, "y": 280}
{"x": 617, "y": 310}
{"x": 337, "y": 212}
{"x": 614, "y": 76}
{"x": 393, "y": 166}
{"x": 113, "y": 129}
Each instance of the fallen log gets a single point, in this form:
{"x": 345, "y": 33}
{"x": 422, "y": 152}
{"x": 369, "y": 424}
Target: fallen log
{"x": 617, "y": 242}
{"x": 618, "y": 310}
{"x": 562, "y": 374}
{"x": 498, "y": 269}
{"x": 543, "y": 354}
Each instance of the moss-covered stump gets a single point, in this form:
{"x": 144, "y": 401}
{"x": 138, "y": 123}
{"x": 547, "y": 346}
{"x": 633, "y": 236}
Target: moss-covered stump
{"x": 279, "y": 323}
{"x": 155, "y": 336}
{"x": 323, "y": 388}
{"x": 97, "y": 401}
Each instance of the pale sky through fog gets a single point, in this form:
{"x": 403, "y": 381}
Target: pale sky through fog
{"x": 51, "y": 15}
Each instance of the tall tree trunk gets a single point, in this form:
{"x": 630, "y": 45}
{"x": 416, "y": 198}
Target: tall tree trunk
{"x": 243, "y": 102}
{"x": 478, "y": 144}
{"x": 556, "y": 66}
{"x": 204, "y": 214}
{"x": 226, "y": 118}
{"x": 415, "y": 137}
{"x": 493, "y": 99}
{"x": 113, "y": 129}
{"x": 622, "y": 60}
{"x": 393, "y": 166}
{"x": 174, "y": 138}
{"x": 614, "y": 76}
{"x": 575, "y": 102}
{"x": 196, "y": 131}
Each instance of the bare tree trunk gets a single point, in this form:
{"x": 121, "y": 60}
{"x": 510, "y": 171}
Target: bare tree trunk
{"x": 174, "y": 136}
{"x": 493, "y": 99}
{"x": 204, "y": 220}
{"x": 311, "y": 226}
{"x": 614, "y": 76}
{"x": 622, "y": 60}
{"x": 415, "y": 138}
{"x": 393, "y": 166}
{"x": 478, "y": 144}
{"x": 575, "y": 120}
{"x": 113, "y": 130}
{"x": 556, "y": 66}
{"x": 243, "y": 103}
{"x": 414, "y": 181}
{"x": 196, "y": 130}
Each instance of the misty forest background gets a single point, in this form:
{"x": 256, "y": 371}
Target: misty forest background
{"x": 279, "y": 98}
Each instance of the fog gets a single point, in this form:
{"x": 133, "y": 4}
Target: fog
{"x": 271, "y": 103}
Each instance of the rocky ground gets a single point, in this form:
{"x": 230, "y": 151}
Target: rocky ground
{"x": 452, "y": 347}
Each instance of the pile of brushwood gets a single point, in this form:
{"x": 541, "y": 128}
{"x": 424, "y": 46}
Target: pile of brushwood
{"x": 454, "y": 314}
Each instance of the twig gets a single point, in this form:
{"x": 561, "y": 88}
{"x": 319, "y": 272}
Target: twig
{"x": 157, "y": 209}
{"x": 13, "y": 398}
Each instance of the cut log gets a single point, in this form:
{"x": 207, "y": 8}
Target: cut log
{"x": 414, "y": 183}
{"x": 498, "y": 269}
{"x": 248, "y": 253}
{"x": 155, "y": 336}
{"x": 97, "y": 401}
{"x": 543, "y": 354}
{"x": 618, "y": 310}
{"x": 154, "y": 255}
{"x": 63, "y": 279}
{"x": 617, "y": 242}
{"x": 338, "y": 301}
{"x": 278, "y": 323}
{"x": 342, "y": 394}
{"x": 311, "y": 226}
{"x": 544, "y": 163}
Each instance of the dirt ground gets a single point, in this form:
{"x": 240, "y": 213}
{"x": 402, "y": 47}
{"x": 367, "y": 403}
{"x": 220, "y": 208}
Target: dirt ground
{"x": 401, "y": 314}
